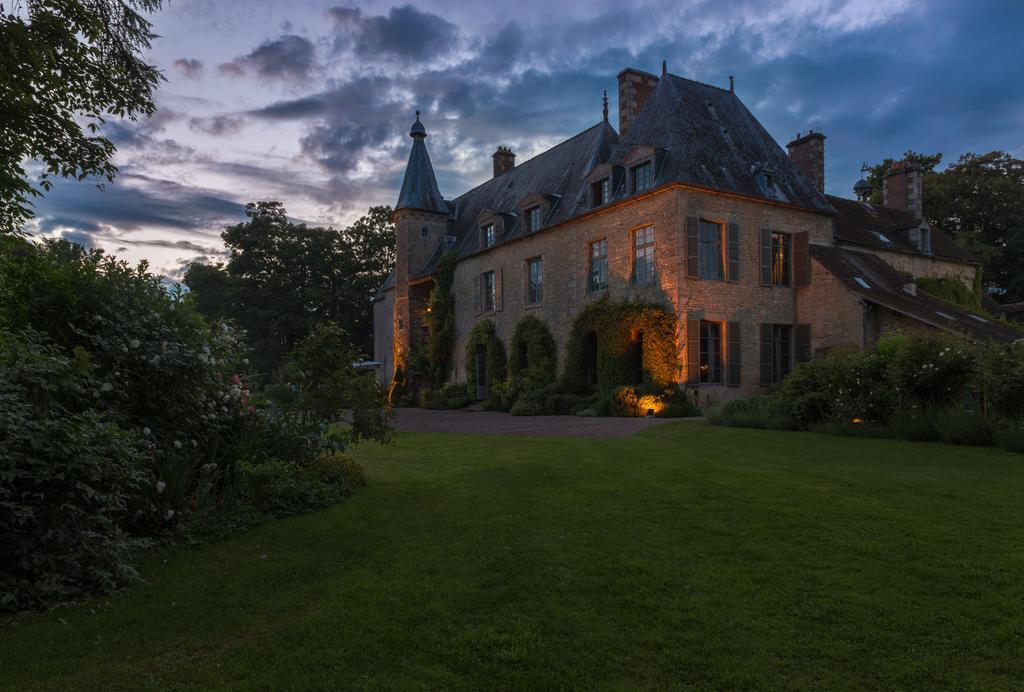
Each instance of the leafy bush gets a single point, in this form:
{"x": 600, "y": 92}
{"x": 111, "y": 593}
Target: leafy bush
{"x": 1002, "y": 369}
{"x": 533, "y": 355}
{"x": 839, "y": 387}
{"x": 961, "y": 427}
{"x": 768, "y": 411}
{"x": 1011, "y": 438}
{"x": 71, "y": 483}
{"x": 526, "y": 407}
{"x": 932, "y": 369}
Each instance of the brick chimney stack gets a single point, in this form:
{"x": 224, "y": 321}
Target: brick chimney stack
{"x": 903, "y": 188}
{"x": 504, "y": 161}
{"x": 808, "y": 153}
{"x": 634, "y": 88}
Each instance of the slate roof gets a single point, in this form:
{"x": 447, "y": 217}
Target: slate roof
{"x": 861, "y": 223}
{"x": 885, "y": 288}
{"x": 712, "y": 140}
{"x": 419, "y": 186}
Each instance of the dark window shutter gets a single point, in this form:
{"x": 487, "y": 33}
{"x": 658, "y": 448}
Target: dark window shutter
{"x": 766, "y": 257}
{"x": 497, "y": 290}
{"x": 766, "y": 354}
{"x": 693, "y": 352}
{"x": 733, "y": 357}
{"x": 693, "y": 247}
{"x": 734, "y": 252}
{"x": 801, "y": 259}
{"x": 477, "y": 289}
{"x": 803, "y": 343}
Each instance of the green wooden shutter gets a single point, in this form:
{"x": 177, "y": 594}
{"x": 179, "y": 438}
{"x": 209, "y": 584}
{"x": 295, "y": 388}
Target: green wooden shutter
{"x": 803, "y": 343}
{"x": 766, "y": 354}
{"x": 693, "y": 352}
{"x": 733, "y": 252}
{"x": 693, "y": 247}
{"x": 801, "y": 259}
{"x": 733, "y": 357}
{"x": 766, "y": 257}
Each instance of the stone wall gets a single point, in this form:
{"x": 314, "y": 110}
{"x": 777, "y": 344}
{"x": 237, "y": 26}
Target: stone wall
{"x": 924, "y": 265}
{"x": 564, "y": 251}
{"x": 836, "y": 316}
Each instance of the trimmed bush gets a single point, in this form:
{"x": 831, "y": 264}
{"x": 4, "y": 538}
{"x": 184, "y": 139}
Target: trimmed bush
{"x": 533, "y": 355}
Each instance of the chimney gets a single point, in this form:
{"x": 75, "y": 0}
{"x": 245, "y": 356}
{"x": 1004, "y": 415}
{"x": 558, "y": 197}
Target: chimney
{"x": 808, "y": 153}
{"x": 903, "y": 188}
{"x": 504, "y": 161}
{"x": 634, "y": 88}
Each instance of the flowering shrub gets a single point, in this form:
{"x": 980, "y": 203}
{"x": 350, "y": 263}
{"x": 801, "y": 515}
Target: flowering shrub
{"x": 932, "y": 369}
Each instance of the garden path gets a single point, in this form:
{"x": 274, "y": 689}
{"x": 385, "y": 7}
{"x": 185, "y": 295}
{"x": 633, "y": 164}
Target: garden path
{"x": 493, "y": 423}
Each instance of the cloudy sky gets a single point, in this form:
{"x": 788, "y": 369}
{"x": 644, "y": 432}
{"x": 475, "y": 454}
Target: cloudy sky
{"x": 310, "y": 103}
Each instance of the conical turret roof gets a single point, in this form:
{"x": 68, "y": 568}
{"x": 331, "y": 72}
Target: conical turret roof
{"x": 419, "y": 187}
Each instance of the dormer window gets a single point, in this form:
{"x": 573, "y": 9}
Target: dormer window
{"x": 487, "y": 236}
{"x": 533, "y": 219}
{"x": 764, "y": 175}
{"x": 601, "y": 192}
{"x": 641, "y": 177}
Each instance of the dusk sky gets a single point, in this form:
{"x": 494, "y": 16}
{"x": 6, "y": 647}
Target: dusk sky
{"x": 310, "y": 103}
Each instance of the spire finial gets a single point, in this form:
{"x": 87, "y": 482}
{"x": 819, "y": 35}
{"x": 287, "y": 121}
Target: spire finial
{"x": 732, "y": 85}
{"x": 664, "y": 68}
{"x": 417, "y": 116}
{"x": 417, "y": 129}
{"x": 604, "y": 102}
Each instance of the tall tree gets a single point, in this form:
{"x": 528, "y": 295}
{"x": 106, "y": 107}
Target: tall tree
{"x": 65, "y": 66}
{"x": 282, "y": 279}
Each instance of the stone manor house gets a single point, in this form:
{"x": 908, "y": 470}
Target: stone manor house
{"x": 691, "y": 204}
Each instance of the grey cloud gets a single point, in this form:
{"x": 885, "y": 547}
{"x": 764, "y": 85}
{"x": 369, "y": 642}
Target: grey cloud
{"x": 405, "y": 33}
{"x": 190, "y": 67}
{"x": 217, "y": 125}
{"x": 289, "y": 58}
{"x": 295, "y": 109}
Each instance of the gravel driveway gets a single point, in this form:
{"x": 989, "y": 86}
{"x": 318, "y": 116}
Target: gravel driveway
{"x": 490, "y": 423}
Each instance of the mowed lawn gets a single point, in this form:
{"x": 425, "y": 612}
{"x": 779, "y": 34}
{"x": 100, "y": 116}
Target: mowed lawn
{"x": 686, "y": 556}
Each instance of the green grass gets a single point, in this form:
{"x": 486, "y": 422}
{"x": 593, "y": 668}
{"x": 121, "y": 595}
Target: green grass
{"x": 688, "y": 555}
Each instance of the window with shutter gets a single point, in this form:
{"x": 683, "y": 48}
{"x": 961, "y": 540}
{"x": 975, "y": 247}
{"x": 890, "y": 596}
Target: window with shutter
{"x": 489, "y": 297}
{"x": 497, "y": 289}
{"x": 477, "y": 294}
{"x": 693, "y": 352}
{"x": 710, "y": 352}
{"x": 734, "y": 252}
{"x": 766, "y": 354}
{"x": 734, "y": 354}
{"x": 710, "y": 250}
{"x": 693, "y": 247}
{"x": 776, "y": 352}
{"x": 766, "y": 257}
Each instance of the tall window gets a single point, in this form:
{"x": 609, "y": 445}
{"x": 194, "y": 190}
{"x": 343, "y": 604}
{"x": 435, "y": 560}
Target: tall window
{"x": 710, "y": 352}
{"x": 598, "y": 265}
{"x": 642, "y": 177}
{"x": 781, "y": 361}
{"x": 601, "y": 191}
{"x": 643, "y": 255}
{"x": 487, "y": 235}
{"x": 710, "y": 250}
{"x": 781, "y": 258}
{"x": 532, "y": 219}
{"x": 488, "y": 291}
{"x": 534, "y": 280}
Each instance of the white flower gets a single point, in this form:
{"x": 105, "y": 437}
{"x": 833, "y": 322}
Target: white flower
{"x": 194, "y": 443}
{"x": 203, "y": 358}
{"x": 134, "y": 343}
{"x": 106, "y": 387}
{"x": 146, "y": 431}
{"x": 169, "y": 514}
{"x": 177, "y": 444}
{"x": 160, "y": 485}
{"x": 245, "y": 361}
{"x": 224, "y": 328}
{"x": 206, "y": 350}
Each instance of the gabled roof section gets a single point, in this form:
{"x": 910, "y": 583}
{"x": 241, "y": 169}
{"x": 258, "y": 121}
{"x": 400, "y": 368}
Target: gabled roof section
{"x": 559, "y": 172}
{"x": 873, "y": 280}
{"x": 419, "y": 187}
{"x": 712, "y": 140}
{"x": 883, "y": 228}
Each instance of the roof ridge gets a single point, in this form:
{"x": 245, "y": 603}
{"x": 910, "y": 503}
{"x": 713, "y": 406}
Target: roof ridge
{"x": 531, "y": 159}
{"x": 696, "y": 81}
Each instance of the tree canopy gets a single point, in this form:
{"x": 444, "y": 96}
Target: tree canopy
{"x": 65, "y": 66}
{"x": 282, "y": 279}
